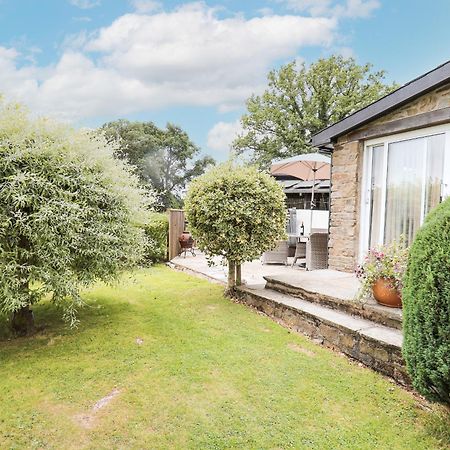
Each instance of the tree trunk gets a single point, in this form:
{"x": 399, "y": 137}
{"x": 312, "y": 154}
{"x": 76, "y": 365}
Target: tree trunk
{"x": 231, "y": 275}
{"x": 22, "y": 322}
{"x": 238, "y": 274}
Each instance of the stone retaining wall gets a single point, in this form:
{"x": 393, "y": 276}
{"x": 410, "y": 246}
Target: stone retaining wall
{"x": 375, "y": 354}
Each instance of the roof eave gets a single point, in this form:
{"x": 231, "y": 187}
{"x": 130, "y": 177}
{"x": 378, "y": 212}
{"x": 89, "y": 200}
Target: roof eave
{"x": 397, "y": 98}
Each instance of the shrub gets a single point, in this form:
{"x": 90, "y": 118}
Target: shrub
{"x": 68, "y": 214}
{"x": 426, "y": 302}
{"x": 157, "y": 231}
{"x": 237, "y": 213}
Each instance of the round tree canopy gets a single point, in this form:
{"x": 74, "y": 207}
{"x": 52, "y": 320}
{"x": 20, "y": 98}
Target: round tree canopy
{"x": 236, "y": 212}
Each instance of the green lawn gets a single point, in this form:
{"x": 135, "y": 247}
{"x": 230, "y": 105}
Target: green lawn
{"x": 187, "y": 368}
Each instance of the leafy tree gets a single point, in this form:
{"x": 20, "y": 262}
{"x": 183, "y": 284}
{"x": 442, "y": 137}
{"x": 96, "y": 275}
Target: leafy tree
{"x": 68, "y": 215}
{"x": 236, "y": 213}
{"x": 426, "y": 307}
{"x": 165, "y": 158}
{"x": 300, "y": 101}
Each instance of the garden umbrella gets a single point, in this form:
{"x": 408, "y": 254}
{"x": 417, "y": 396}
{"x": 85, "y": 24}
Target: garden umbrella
{"x": 308, "y": 167}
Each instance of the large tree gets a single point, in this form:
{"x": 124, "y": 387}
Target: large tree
{"x": 68, "y": 215}
{"x": 165, "y": 159}
{"x": 300, "y": 100}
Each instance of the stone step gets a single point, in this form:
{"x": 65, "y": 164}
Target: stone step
{"x": 333, "y": 296}
{"x": 375, "y": 345}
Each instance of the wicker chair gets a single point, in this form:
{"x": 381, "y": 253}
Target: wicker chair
{"x": 278, "y": 255}
{"x": 319, "y": 230}
{"x": 300, "y": 252}
{"x": 317, "y": 251}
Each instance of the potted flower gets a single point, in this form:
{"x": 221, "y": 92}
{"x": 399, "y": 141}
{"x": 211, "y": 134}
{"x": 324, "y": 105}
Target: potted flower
{"x": 381, "y": 273}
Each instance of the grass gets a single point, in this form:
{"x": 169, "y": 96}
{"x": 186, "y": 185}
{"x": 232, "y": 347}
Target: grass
{"x": 189, "y": 369}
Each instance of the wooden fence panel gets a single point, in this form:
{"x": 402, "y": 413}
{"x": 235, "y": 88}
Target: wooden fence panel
{"x": 176, "y": 228}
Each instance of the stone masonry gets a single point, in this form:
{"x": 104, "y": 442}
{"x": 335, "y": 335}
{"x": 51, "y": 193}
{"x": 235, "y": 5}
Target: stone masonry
{"x": 346, "y": 177}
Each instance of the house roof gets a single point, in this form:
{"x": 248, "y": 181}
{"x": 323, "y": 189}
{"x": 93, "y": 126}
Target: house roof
{"x": 305, "y": 187}
{"x": 408, "y": 92}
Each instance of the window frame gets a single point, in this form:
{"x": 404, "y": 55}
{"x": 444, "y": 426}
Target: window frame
{"x": 384, "y": 141}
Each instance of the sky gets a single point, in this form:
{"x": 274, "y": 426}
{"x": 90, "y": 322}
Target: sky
{"x": 192, "y": 63}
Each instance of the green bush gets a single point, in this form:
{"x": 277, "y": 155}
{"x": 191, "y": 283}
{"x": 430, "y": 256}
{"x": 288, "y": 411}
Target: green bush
{"x": 426, "y": 300}
{"x": 236, "y": 213}
{"x": 69, "y": 212}
{"x": 157, "y": 230}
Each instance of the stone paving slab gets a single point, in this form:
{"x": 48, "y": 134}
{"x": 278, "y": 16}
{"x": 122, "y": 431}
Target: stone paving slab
{"x": 366, "y": 327}
{"x": 335, "y": 290}
{"x": 252, "y": 272}
{"x": 340, "y": 285}
{"x": 327, "y": 287}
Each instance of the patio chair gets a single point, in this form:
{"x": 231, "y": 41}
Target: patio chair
{"x": 317, "y": 251}
{"x": 278, "y": 255}
{"x": 300, "y": 252}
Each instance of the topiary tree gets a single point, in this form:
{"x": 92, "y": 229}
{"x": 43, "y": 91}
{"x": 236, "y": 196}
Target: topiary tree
{"x": 68, "y": 211}
{"x": 426, "y": 307}
{"x": 236, "y": 213}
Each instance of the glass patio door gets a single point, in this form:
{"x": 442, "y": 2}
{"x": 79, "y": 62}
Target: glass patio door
{"x": 404, "y": 189}
{"x": 404, "y": 180}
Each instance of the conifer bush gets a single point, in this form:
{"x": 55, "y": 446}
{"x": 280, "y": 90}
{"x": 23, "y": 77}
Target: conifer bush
{"x": 426, "y": 307}
{"x": 68, "y": 214}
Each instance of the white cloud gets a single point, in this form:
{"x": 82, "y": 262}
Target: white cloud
{"x": 333, "y": 8}
{"x": 360, "y": 8}
{"x": 313, "y": 7}
{"x": 221, "y": 136}
{"x": 146, "y": 6}
{"x": 85, "y": 4}
{"x": 189, "y": 56}
{"x": 346, "y": 52}
{"x": 266, "y": 11}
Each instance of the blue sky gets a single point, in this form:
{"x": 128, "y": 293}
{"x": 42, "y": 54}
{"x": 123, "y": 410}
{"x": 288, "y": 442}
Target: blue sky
{"x": 195, "y": 63}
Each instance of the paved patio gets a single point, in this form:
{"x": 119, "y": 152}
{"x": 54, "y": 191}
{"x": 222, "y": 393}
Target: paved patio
{"x": 326, "y": 282}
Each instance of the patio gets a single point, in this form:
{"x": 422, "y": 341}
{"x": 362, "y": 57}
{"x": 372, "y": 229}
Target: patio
{"x": 254, "y": 273}
{"x": 331, "y": 288}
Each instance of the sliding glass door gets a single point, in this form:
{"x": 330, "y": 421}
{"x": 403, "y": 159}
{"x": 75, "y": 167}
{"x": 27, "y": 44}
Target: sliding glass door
{"x": 404, "y": 188}
{"x": 404, "y": 178}
{"x": 376, "y": 191}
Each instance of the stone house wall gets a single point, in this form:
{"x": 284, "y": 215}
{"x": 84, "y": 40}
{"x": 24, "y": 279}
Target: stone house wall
{"x": 346, "y": 174}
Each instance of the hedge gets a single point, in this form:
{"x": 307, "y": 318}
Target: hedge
{"x": 426, "y": 300}
{"x": 157, "y": 229}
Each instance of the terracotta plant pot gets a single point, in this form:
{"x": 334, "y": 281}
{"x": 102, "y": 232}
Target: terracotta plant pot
{"x": 385, "y": 295}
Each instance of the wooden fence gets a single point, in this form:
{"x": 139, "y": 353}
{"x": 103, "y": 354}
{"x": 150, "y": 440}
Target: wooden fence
{"x": 176, "y": 228}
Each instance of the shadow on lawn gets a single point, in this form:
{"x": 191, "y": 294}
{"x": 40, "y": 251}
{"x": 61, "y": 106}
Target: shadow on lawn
{"x": 50, "y": 323}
